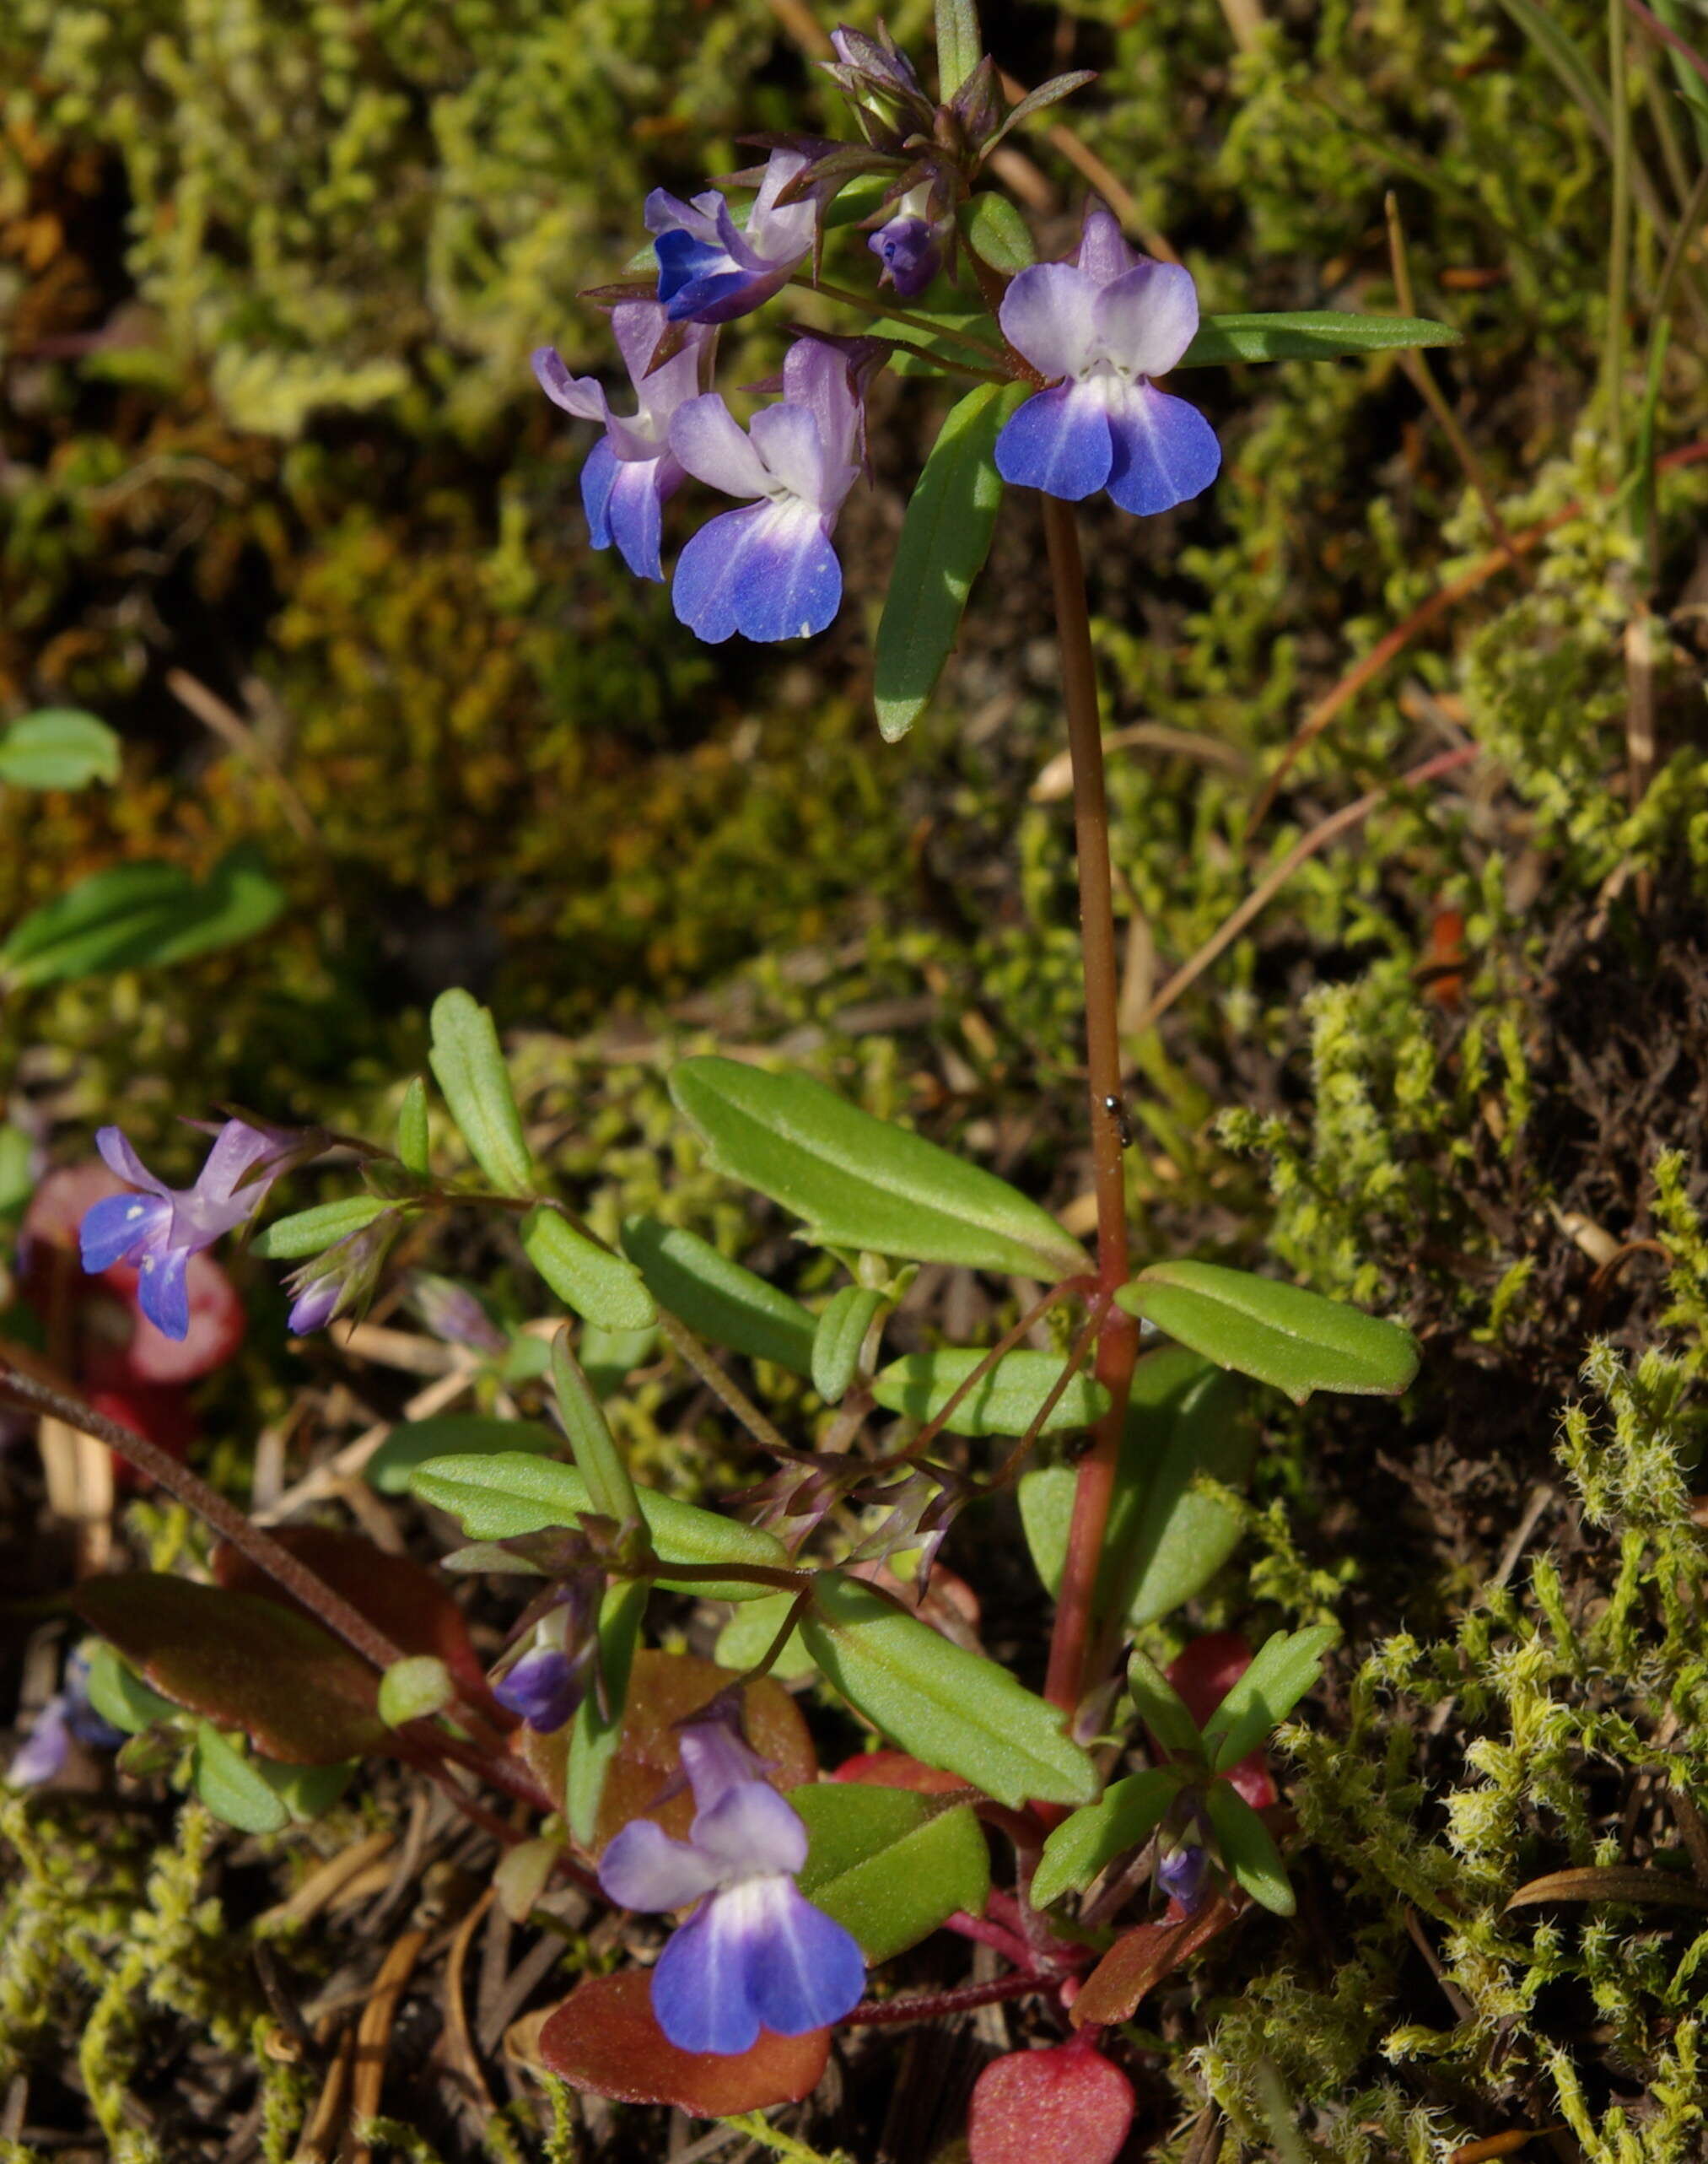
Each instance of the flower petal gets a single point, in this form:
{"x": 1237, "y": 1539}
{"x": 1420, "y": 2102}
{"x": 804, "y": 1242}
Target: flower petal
{"x": 664, "y": 212}
{"x": 42, "y": 1755}
{"x": 1047, "y": 315}
{"x": 238, "y": 1149}
{"x": 707, "y": 438}
{"x": 1059, "y": 442}
{"x": 120, "y": 1157}
{"x": 634, "y": 511}
{"x": 812, "y": 1971}
{"x": 583, "y": 396}
{"x": 786, "y": 437}
{"x": 750, "y": 1832}
{"x": 1102, "y": 254}
{"x": 767, "y": 572}
{"x": 695, "y": 275}
{"x": 1165, "y": 451}
{"x": 817, "y": 377}
{"x": 700, "y": 1984}
{"x": 542, "y": 1687}
{"x": 715, "y": 1755}
{"x": 598, "y": 477}
{"x": 161, "y": 1294}
{"x": 113, "y": 1228}
{"x": 643, "y": 1868}
{"x": 1148, "y": 318}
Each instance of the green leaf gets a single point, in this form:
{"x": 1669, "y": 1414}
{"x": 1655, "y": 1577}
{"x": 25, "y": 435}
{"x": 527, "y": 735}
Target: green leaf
{"x": 608, "y": 1357}
{"x": 411, "y": 1442}
{"x": 598, "y": 1460}
{"x": 1161, "y": 1707}
{"x": 950, "y": 1707}
{"x": 1283, "y": 1671}
{"x": 312, "y": 1232}
{"x": 414, "y": 1689}
{"x": 601, "y": 1287}
{"x": 16, "y": 1180}
{"x": 134, "y": 916}
{"x": 751, "y": 1632}
{"x": 231, "y": 1787}
{"x": 946, "y": 537}
{"x": 960, "y": 45}
{"x": 469, "y": 1068}
{"x": 717, "y": 1299}
{"x": 1281, "y": 1334}
{"x": 1248, "y": 1849}
{"x": 59, "y": 747}
{"x": 593, "y": 1740}
{"x": 307, "y": 1792}
{"x": 837, "y": 1341}
{"x": 860, "y": 1182}
{"x": 1005, "y": 1403}
{"x": 1313, "y": 334}
{"x": 999, "y": 235}
{"x": 1126, "y": 1814}
{"x": 412, "y": 1148}
{"x": 504, "y": 1498}
{"x": 890, "y": 1866}
{"x": 119, "y": 1695}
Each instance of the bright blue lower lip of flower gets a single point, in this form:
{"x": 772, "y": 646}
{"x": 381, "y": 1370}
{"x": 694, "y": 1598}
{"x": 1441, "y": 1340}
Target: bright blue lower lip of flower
{"x": 1150, "y": 449}
{"x": 756, "y": 1955}
{"x": 112, "y": 1228}
{"x": 767, "y": 572}
{"x": 541, "y": 1688}
{"x": 1165, "y": 452}
{"x": 1058, "y": 442}
{"x": 162, "y": 1291}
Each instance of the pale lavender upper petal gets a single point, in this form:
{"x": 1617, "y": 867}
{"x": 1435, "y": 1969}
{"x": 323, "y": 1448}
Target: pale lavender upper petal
{"x": 786, "y": 437}
{"x": 238, "y": 1149}
{"x": 664, "y": 212}
{"x": 682, "y": 378}
{"x": 786, "y": 231}
{"x": 42, "y": 1755}
{"x": 815, "y": 376}
{"x": 707, "y": 438}
{"x": 1047, "y": 315}
{"x": 1103, "y": 255}
{"x": 750, "y": 1832}
{"x": 643, "y": 1868}
{"x": 583, "y": 396}
{"x": 1147, "y": 318}
{"x": 120, "y": 1157}
{"x": 716, "y": 1757}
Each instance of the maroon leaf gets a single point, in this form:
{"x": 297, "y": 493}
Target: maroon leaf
{"x": 895, "y": 1769}
{"x": 604, "y": 2038}
{"x": 399, "y": 1598}
{"x": 1067, "y": 2105}
{"x": 664, "y": 1688}
{"x": 1138, "y": 1962}
{"x": 296, "y": 1693}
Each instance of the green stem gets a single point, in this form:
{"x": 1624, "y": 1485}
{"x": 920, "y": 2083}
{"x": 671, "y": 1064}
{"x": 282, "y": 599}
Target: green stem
{"x": 1618, "y": 251}
{"x": 867, "y": 306}
{"x": 1118, "y": 1345}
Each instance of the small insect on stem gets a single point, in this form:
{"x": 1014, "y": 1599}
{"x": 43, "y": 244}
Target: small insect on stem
{"x": 1116, "y": 1111}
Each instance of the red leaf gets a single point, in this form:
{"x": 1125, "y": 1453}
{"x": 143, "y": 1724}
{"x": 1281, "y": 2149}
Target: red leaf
{"x": 1203, "y": 1675}
{"x": 400, "y": 1598}
{"x": 1067, "y": 2105}
{"x": 664, "y": 1688}
{"x": 1141, "y": 1960}
{"x": 604, "y": 2038}
{"x": 895, "y": 1769}
{"x": 297, "y": 1693}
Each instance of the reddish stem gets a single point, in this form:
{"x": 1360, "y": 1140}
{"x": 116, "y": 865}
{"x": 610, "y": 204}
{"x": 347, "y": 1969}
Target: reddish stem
{"x": 931, "y": 2005}
{"x": 988, "y": 1934}
{"x": 1118, "y": 1344}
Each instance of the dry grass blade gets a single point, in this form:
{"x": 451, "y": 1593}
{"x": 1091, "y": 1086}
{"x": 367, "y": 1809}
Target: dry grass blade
{"x": 321, "y": 1887}
{"x": 1640, "y": 1884}
{"x": 373, "y": 2034}
{"x": 459, "y": 2038}
{"x": 320, "y": 2135}
{"x": 1055, "y": 779}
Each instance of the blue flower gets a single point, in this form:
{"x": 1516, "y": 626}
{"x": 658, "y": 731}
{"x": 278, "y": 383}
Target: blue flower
{"x": 630, "y": 474}
{"x": 545, "y": 1687}
{"x": 711, "y": 270}
{"x": 769, "y": 571}
{"x": 755, "y": 1953}
{"x": 1105, "y": 325}
{"x": 909, "y": 249}
{"x": 1181, "y": 1873}
{"x": 160, "y": 1228}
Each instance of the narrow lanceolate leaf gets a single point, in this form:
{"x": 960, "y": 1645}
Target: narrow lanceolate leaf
{"x": 61, "y": 747}
{"x": 507, "y": 1497}
{"x": 888, "y": 1865}
{"x": 997, "y": 234}
{"x": 1005, "y": 1402}
{"x": 1296, "y": 1340}
{"x": 717, "y": 1299}
{"x": 599, "y": 1287}
{"x": 596, "y": 1734}
{"x": 1313, "y": 334}
{"x": 1161, "y": 1708}
{"x": 135, "y": 916}
{"x": 312, "y": 1232}
{"x": 469, "y": 1068}
{"x": 1248, "y": 1849}
{"x": 411, "y": 1130}
{"x": 836, "y": 1341}
{"x": 1126, "y": 1814}
{"x": 945, "y": 538}
{"x": 948, "y": 1706}
{"x": 598, "y": 1460}
{"x": 231, "y": 1787}
{"x": 1283, "y": 1671}
{"x": 959, "y": 45}
{"x": 860, "y": 1183}
{"x": 411, "y": 1442}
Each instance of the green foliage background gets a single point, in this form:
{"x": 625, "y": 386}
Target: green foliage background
{"x": 269, "y": 277}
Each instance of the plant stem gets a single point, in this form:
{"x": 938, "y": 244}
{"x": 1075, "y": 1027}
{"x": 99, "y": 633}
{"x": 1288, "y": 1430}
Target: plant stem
{"x": 1118, "y": 1344}
{"x": 1617, "y": 274}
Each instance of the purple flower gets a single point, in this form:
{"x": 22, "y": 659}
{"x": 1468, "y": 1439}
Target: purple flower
{"x": 755, "y": 1953}
{"x": 711, "y": 270}
{"x": 160, "y": 1228}
{"x": 770, "y": 572}
{"x": 1180, "y": 1874}
{"x": 908, "y": 251}
{"x": 41, "y": 1756}
{"x": 1106, "y": 324}
{"x": 630, "y": 474}
{"x": 344, "y": 1276}
{"x": 544, "y": 1687}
